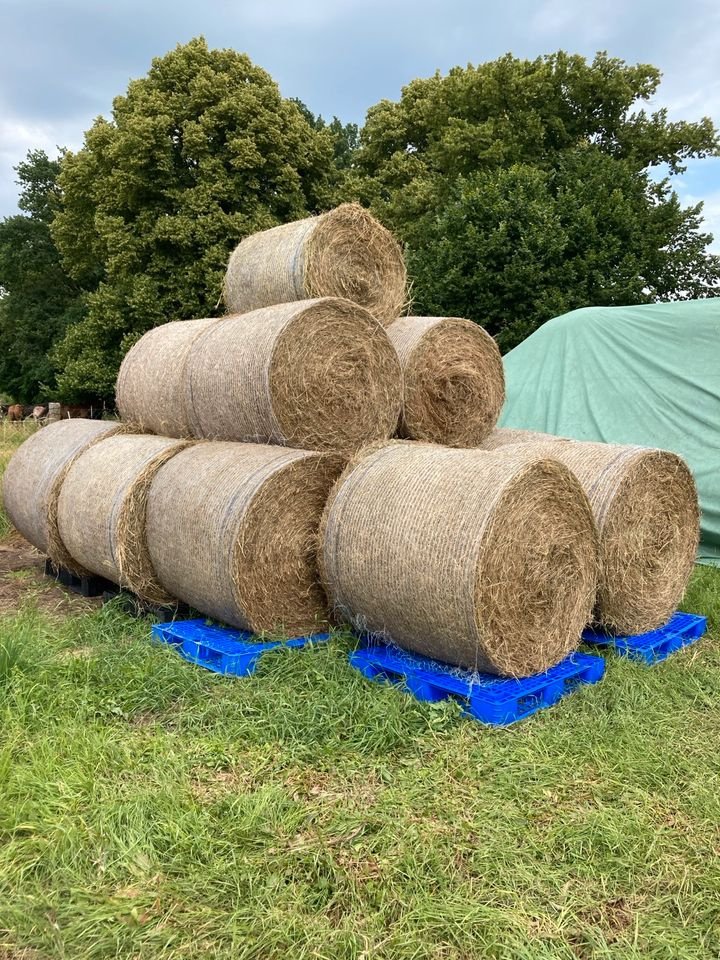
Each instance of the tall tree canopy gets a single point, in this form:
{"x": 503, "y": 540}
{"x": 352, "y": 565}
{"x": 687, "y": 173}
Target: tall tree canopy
{"x": 523, "y": 189}
{"x": 199, "y": 153}
{"x": 37, "y": 298}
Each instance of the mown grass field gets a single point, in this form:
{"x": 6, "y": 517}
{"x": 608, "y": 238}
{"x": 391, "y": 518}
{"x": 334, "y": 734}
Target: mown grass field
{"x": 149, "y": 809}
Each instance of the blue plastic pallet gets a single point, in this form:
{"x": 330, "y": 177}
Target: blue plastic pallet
{"x": 680, "y": 631}
{"x": 222, "y": 649}
{"x": 498, "y": 701}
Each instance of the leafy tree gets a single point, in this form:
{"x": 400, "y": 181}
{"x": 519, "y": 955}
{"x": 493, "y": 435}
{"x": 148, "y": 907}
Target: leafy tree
{"x": 38, "y": 299}
{"x": 199, "y": 153}
{"x": 522, "y": 189}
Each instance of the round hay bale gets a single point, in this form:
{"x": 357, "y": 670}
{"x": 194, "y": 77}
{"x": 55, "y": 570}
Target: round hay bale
{"x": 646, "y": 509}
{"x": 34, "y": 477}
{"x": 150, "y": 389}
{"x": 232, "y": 530}
{"x": 484, "y": 561}
{"x": 315, "y": 375}
{"x": 507, "y": 436}
{"x": 343, "y": 253}
{"x": 454, "y": 380}
{"x": 101, "y": 509}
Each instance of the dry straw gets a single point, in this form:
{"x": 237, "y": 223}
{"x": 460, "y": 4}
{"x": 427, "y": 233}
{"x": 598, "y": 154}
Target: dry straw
{"x": 232, "y": 530}
{"x": 343, "y": 253}
{"x": 34, "y": 477}
{"x": 150, "y": 389}
{"x": 320, "y": 374}
{"x": 646, "y": 508}
{"x": 484, "y": 561}
{"x": 102, "y": 505}
{"x": 453, "y": 376}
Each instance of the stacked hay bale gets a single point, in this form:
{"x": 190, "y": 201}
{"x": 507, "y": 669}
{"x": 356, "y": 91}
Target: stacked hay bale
{"x": 646, "y": 509}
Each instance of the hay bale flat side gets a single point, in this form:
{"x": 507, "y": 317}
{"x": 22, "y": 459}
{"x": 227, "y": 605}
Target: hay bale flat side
{"x": 454, "y": 381}
{"x": 507, "y": 436}
{"x": 314, "y": 375}
{"x": 150, "y": 389}
{"x": 484, "y": 561}
{"x": 34, "y": 476}
{"x": 343, "y": 253}
{"x": 102, "y": 505}
{"x": 646, "y": 509}
{"x": 232, "y": 530}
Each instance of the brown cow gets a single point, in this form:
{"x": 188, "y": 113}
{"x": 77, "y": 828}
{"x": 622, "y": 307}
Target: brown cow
{"x": 15, "y": 413}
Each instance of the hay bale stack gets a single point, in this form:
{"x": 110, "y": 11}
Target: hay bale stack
{"x": 484, "y": 561}
{"x": 34, "y": 477}
{"x": 454, "y": 382}
{"x": 150, "y": 389}
{"x": 102, "y": 505}
{"x": 646, "y": 509}
{"x": 320, "y": 374}
{"x": 343, "y": 253}
{"x": 232, "y": 530}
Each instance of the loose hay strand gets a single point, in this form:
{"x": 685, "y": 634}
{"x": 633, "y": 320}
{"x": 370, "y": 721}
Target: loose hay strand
{"x": 454, "y": 385}
{"x": 343, "y": 253}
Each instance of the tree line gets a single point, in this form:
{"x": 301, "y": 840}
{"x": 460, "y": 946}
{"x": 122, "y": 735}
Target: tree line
{"x": 521, "y": 189}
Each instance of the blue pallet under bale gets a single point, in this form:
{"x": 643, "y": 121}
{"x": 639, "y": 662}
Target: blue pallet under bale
{"x": 680, "y": 631}
{"x": 223, "y": 649}
{"x": 498, "y": 701}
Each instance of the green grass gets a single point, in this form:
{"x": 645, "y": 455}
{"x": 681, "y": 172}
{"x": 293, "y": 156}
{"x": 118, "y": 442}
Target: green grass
{"x": 149, "y": 809}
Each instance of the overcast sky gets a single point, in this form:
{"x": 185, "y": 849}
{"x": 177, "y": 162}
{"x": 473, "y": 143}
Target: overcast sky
{"x": 62, "y": 61}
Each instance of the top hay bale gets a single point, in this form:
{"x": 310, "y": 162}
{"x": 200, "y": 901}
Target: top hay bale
{"x": 34, "y": 477}
{"x": 481, "y": 560}
{"x": 315, "y": 375}
{"x": 343, "y": 253}
{"x": 646, "y": 509}
{"x": 454, "y": 386}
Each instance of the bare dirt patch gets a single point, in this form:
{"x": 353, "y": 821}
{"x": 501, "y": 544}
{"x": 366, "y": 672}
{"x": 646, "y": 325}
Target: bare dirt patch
{"x": 23, "y": 580}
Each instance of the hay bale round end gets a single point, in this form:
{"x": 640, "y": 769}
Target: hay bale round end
{"x": 232, "y": 530}
{"x": 454, "y": 385}
{"x": 343, "y": 253}
{"x": 484, "y": 561}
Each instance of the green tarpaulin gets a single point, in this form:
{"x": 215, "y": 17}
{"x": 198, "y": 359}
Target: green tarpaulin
{"x": 648, "y": 375}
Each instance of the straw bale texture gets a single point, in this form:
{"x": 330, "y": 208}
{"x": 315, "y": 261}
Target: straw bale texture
{"x": 343, "y": 253}
{"x": 34, "y": 476}
{"x": 102, "y": 505}
{"x": 646, "y": 509}
{"x": 484, "y": 561}
{"x": 454, "y": 386}
{"x": 505, "y": 436}
{"x": 150, "y": 389}
{"x": 315, "y": 375}
{"x": 232, "y": 530}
